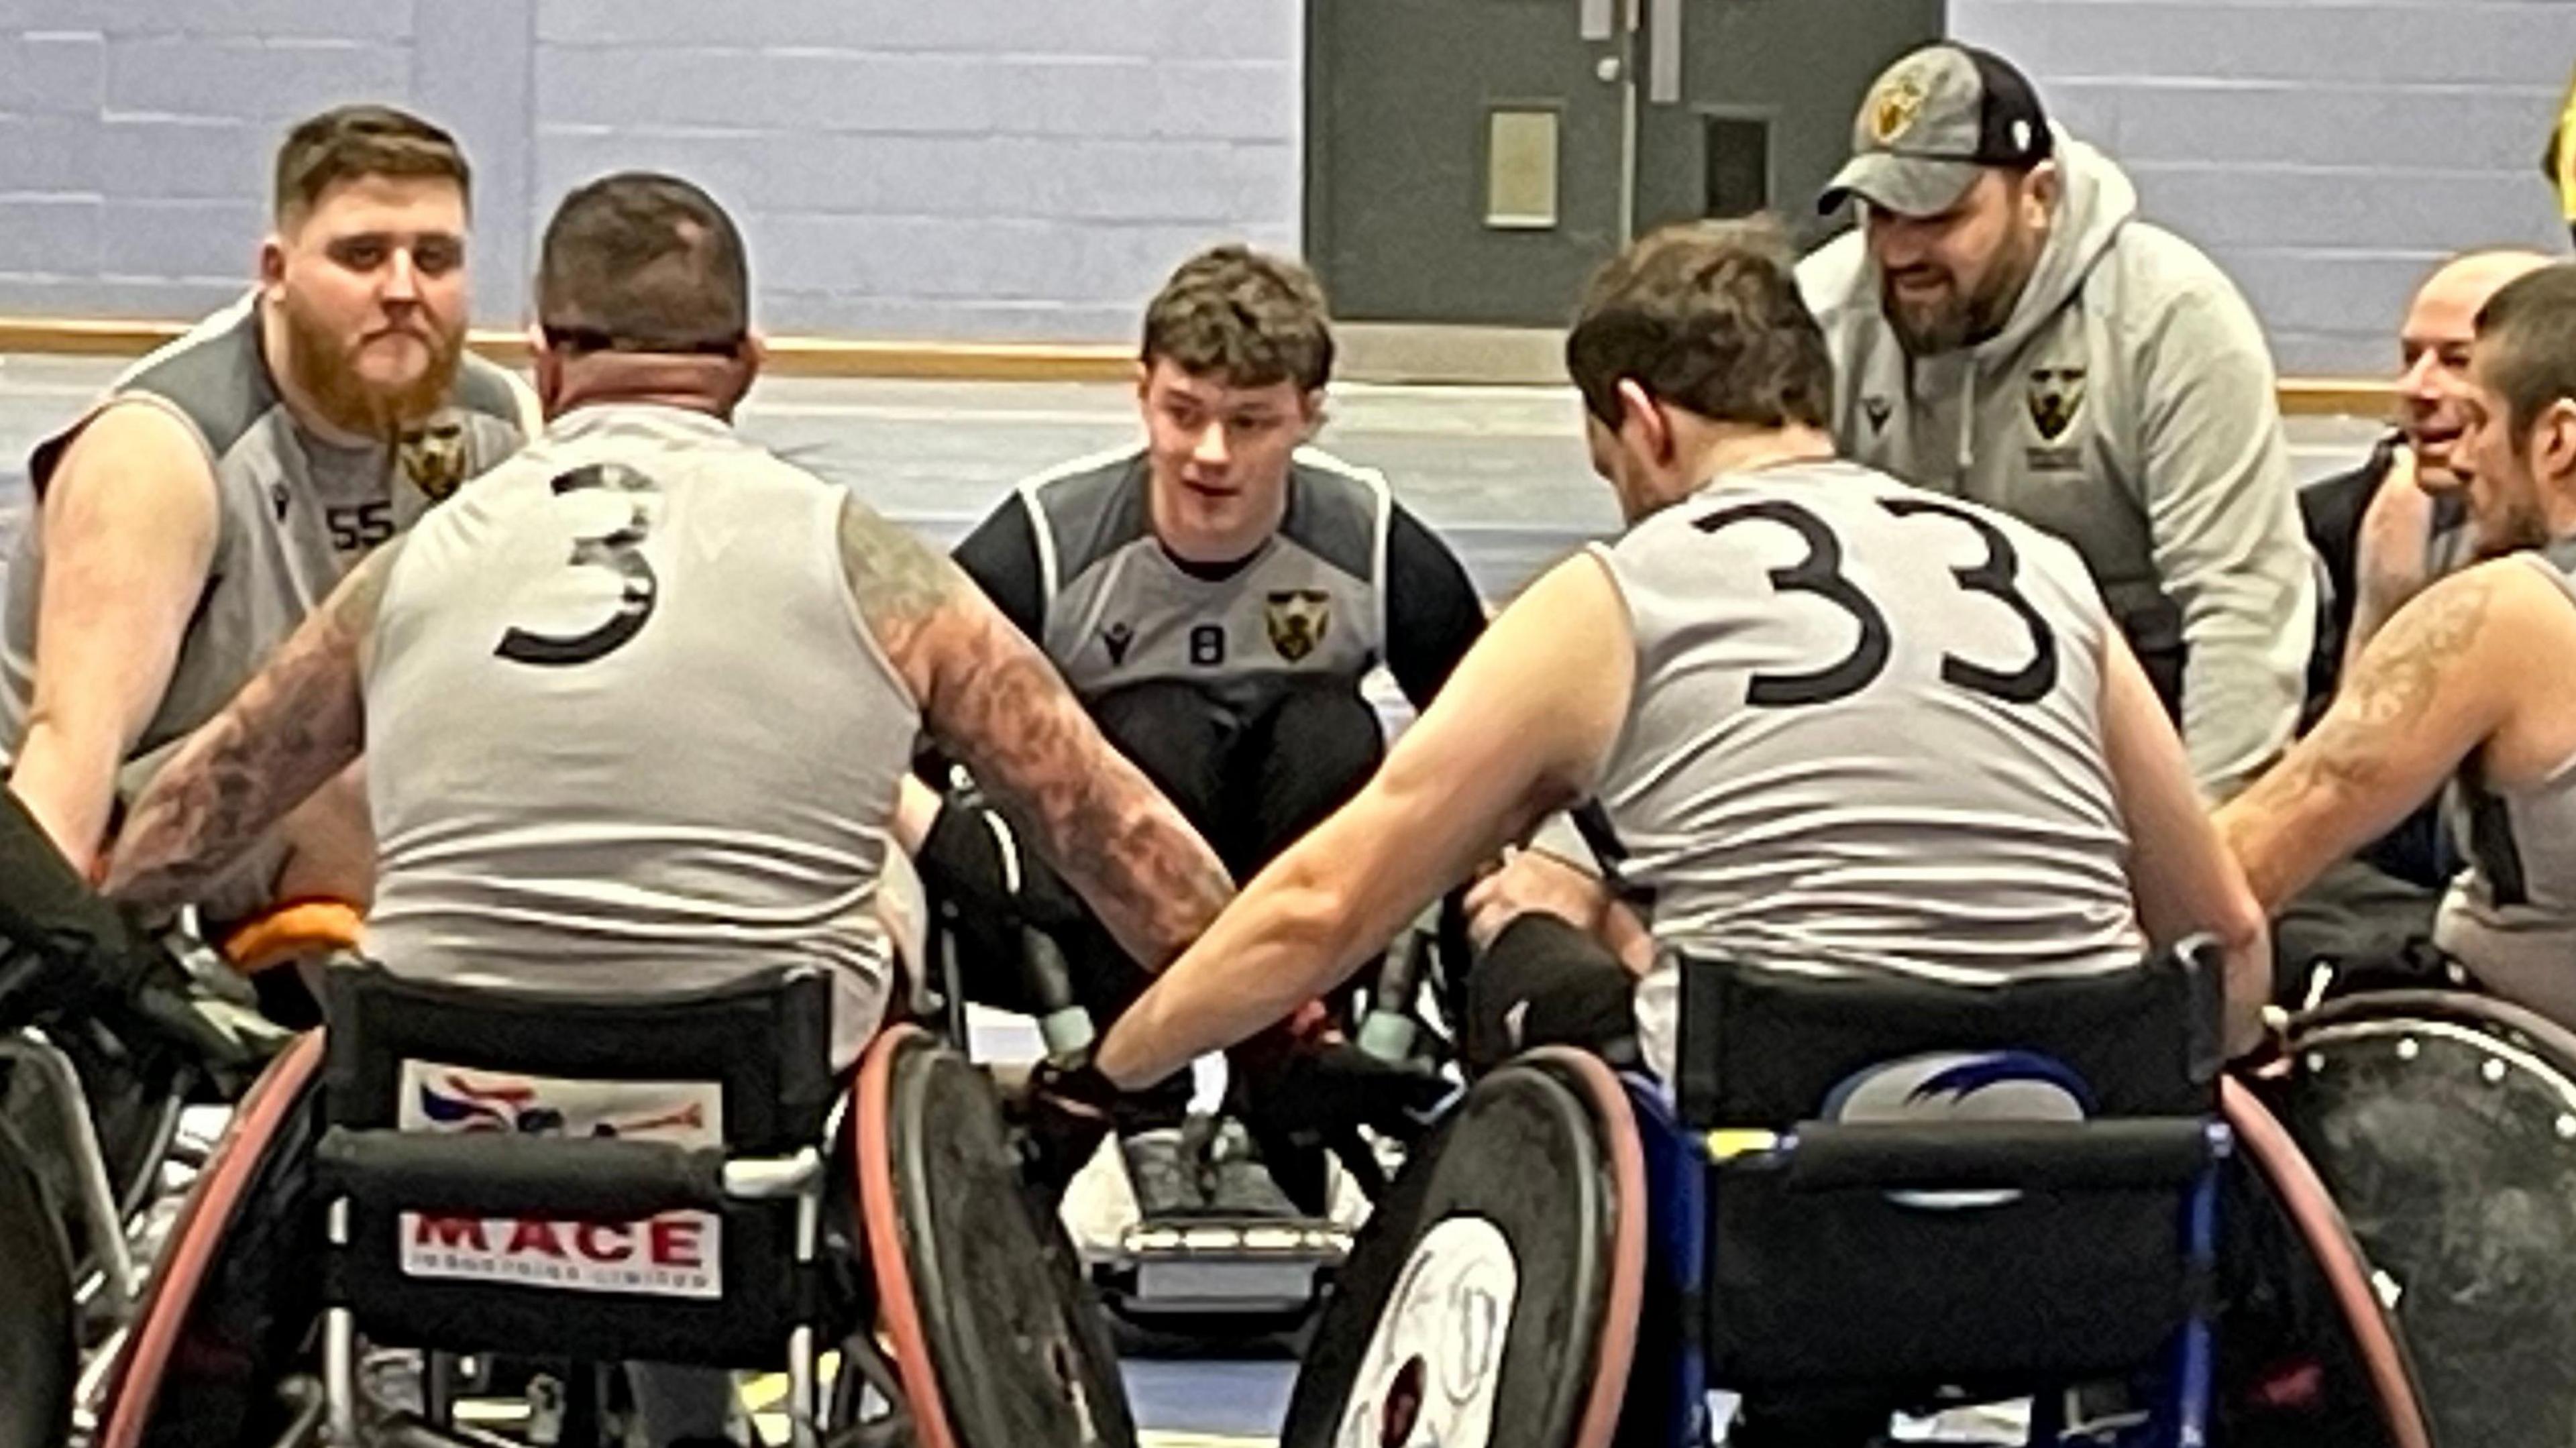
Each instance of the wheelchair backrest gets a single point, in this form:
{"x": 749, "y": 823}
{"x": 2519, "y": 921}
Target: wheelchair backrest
{"x": 1977, "y": 1186}
{"x": 764, "y": 1044}
{"x": 740, "y": 1072}
{"x": 1768, "y": 1047}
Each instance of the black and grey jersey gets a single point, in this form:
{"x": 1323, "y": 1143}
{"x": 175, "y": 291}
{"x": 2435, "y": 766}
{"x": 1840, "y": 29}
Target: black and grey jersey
{"x": 294, "y": 512}
{"x": 1349, "y": 581}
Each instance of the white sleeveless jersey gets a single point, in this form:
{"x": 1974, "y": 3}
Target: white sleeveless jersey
{"x": 626, "y": 729}
{"x": 1866, "y": 735}
{"x": 2510, "y": 917}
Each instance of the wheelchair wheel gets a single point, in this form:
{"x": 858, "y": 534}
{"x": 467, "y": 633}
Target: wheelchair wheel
{"x": 234, "y": 1296}
{"x": 1493, "y": 1296}
{"x": 37, "y": 1332}
{"x": 997, "y": 1341}
{"x": 2444, "y": 1125}
{"x": 2310, "y": 1357}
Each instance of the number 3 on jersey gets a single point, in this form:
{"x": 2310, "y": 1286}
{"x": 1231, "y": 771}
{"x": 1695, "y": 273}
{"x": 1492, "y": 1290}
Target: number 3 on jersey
{"x": 1820, "y": 573}
{"x": 616, "y": 551}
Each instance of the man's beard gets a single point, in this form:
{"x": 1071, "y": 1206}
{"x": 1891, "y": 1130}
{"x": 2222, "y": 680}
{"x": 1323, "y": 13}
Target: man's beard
{"x": 1963, "y": 321}
{"x": 324, "y": 370}
{"x": 2514, "y": 527}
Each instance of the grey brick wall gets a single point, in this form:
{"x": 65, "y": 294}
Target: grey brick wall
{"x": 973, "y": 168}
{"x": 2326, "y": 154}
{"x": 1029, "y": 168}
{"x": 135, "y": 138}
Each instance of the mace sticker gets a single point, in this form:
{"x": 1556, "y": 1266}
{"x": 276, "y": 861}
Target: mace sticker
{"x": 675, "y": 1254}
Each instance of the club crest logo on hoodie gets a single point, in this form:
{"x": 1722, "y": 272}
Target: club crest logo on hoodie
{"x": 2056, "y": 397}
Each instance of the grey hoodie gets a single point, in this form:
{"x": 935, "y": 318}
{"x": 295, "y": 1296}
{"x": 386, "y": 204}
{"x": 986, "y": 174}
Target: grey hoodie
{"x": 2127, "y": 405}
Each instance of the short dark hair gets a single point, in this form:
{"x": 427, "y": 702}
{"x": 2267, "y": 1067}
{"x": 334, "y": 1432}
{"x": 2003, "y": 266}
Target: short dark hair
{"x": 2526, "y": 343}
{"x": 1706, "y": 316}
{"x": 643, "y": 262}
{"x": 1247, "y": 317}
{"x": 347, "y": 143}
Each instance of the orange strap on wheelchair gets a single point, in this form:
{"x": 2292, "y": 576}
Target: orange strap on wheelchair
{"x": 292, "y": 931}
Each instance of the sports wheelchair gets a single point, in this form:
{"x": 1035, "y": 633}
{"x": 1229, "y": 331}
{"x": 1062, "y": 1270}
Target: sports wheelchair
{"x": 454, "y": 1196}
{"x": 94, "y": 1085}
{"x": 1866, "y": 1197}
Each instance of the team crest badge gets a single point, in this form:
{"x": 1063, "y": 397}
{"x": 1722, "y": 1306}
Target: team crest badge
{"x": 1893, "y": 109}
{"x": 2056, "y": 396}
{"x": 434, "y": 459}
{"x": 1297, "y": 619}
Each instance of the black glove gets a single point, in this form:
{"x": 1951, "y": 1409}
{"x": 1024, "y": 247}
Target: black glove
{"x": 69, "y": 948}
{"x": 1068, "y": 1109}
{"x": 974, "y": 859}
{"x": 1320, "y": 1089}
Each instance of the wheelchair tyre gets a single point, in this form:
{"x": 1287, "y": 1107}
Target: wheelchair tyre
{"x": 2444, "y": 1125}
{"x": 37, "y": 1331}
{"x": 1511, "y": 1253}
{"x": 234, "y": 1294}
{"x": 2325, "y": 1241}
{"x": 996, "y": 1338}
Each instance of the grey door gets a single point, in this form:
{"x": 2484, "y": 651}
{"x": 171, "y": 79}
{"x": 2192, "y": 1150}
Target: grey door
{"x": 1747, "y": 105}
{"x": 1470, "y": 161}
{"x": 1463, "y": 157}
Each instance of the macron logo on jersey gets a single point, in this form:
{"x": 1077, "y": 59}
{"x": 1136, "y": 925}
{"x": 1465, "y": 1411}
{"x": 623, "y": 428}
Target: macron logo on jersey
{"x": 1117, "y": 638}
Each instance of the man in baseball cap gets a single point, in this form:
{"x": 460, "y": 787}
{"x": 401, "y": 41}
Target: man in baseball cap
{"x": 1933, "y": 125}
{"x": 2005, "y": 329}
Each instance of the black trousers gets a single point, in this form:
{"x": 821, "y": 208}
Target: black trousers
{"x": 1251, "y": 779}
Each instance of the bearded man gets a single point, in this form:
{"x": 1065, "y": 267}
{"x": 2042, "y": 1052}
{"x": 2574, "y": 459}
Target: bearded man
{"x": 190, "y": 518}
{"x": 2006, "y": 329}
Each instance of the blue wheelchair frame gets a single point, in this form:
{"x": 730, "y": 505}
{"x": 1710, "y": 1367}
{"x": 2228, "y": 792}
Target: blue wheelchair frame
{"x": 1681, "y": 1179}
{"x": 2151, "y": 1139}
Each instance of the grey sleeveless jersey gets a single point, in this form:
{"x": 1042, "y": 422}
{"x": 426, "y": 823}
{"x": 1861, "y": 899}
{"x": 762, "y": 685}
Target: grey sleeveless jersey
{"x": 626, "y": 729}
{"x": 1866, "y": 735}
{"x": 2510, "y": 917}
{"x": 293, "y": 512}
{"x": 1120, "y": 610}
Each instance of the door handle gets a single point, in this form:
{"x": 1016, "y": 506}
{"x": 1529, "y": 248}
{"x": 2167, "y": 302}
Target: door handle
{"x": 1593, "y": 19}
{"x": 1663, "y": 51}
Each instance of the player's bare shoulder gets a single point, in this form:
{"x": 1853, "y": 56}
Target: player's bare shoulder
{"x": 898, "y": 581}
{"x": 140, "y": 438}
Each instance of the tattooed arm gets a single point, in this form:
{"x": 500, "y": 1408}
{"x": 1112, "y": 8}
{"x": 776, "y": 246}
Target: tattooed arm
{"x": 296, "y": 724}
{"x": 2432, "y": 686}
{"x": 991, "y": 699}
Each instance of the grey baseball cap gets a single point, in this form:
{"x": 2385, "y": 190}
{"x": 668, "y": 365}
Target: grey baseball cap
{"x": 1931, "y": 122}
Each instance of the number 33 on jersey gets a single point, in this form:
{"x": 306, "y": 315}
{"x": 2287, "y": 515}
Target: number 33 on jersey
{"x": 1829, "y": 585}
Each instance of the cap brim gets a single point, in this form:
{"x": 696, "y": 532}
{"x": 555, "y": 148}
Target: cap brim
{"x": 1906, "y": 185}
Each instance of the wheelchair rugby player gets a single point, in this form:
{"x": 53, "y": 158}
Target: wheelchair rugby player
{"x": 597, "y": 1101}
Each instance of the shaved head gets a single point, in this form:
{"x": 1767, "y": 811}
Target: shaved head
{"x": 2434, "y": 343}
{"x": 2483, "y": 273}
